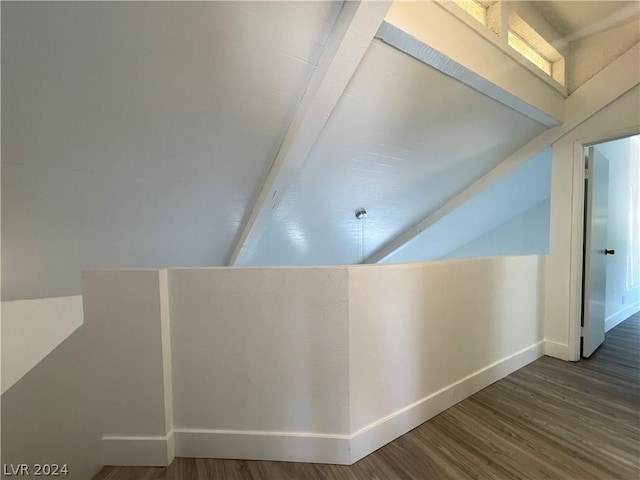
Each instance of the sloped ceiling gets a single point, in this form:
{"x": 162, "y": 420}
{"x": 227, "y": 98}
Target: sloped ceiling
{"x": 403, "y": 139}
{"x": 138, "y": 134}
{"x": 525, "y": 187}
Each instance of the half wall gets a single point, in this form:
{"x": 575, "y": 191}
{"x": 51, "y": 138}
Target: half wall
{"x": 316, "y": 364}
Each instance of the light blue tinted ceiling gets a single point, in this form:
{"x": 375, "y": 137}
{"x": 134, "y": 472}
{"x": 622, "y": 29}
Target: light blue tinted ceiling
{"x": 527, "y": 186}
{"x": 403, "y": 139}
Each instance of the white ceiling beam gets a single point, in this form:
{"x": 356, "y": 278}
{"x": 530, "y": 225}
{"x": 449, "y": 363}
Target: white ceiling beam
{"x": 615, "y": 80}
{"x": 350, "y": 38}
{"x": 433, "y": 35}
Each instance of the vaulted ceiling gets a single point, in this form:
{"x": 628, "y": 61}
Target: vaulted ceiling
{"x": 141, "y": 134}
{"x": 403, "y": 140}
{"x": 138, "y": 134}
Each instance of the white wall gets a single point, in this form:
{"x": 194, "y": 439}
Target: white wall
{"x": 256, "y": 351}
{"x": 49, "y": 415}
{"x": 416, "y": 348}
{"x": 31, "y": 329}
{"x": 326, "y": 363}
{"x": 621, "y": 299}
{"x": 322, "y": 364}
{"x": 515, "y": 193}
{"x": 124, "y": 310}
{"x": 524, "y": 234}
{"x": 563, "y": 272}
{"x": 101, "y": 395}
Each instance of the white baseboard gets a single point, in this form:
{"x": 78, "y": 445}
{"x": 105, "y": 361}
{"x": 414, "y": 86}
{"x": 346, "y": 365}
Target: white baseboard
{"x": 556, "y": 350}
{"x": 138, "y": 451}
{"x": 620, "y": 316}
{"x": 387, "y": 429}
{"x": 307, "y": 447}
{"x": 278, "y": 446}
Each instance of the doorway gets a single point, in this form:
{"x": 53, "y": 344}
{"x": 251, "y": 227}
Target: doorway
{"x": 611, "y": 243}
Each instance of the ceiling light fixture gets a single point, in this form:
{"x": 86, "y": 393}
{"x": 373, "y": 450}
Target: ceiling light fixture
{"x": 361, "y": 215}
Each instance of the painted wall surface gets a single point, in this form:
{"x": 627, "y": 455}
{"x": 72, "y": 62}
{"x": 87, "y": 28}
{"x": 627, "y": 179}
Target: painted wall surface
{"x": 273, "y": 363}
{"x": 412, "y": 336}
{"x": 31, "y": 329}
{"x": 622, "y": 293}
{"x": 260, "y": 349}
{"x": 524, "y": 234}
{"x": 515, "y": 193}
{"x": 563, "y": 272}
{"x": 49, "y": 415}
{"x": 124, "y": 310}
{"x": 104, "y": 379}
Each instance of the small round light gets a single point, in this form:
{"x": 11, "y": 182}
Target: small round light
{"x": 361, "y": 213}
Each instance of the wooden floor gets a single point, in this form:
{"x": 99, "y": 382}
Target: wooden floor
{"x": 549, "y": 420}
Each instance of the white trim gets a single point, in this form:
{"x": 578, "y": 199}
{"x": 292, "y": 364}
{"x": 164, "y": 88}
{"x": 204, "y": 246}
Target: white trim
{"x": 575, "y": 261}
{"x": 385, "y": 430}
{"x": 577, "y": 229}
{"x": 556, "y": 350}
{"x": 620, "y": 316}
{"x": 313, "y": 447}
{"x": 433, "y": 24}
{"x": 403, "y": 41}
{"x": 165, "y": 335}
{"x": 257, "y": 445}
{"x": 138, "y": 451}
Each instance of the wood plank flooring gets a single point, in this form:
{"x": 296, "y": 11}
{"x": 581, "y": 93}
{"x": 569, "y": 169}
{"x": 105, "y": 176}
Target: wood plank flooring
{"x": 549, "y": 420}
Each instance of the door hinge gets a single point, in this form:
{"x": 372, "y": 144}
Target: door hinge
{"x": 587, "y": 166}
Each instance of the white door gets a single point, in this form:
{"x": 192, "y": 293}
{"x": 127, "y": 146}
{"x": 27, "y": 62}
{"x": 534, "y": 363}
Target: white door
{"x": 595, "y": 251}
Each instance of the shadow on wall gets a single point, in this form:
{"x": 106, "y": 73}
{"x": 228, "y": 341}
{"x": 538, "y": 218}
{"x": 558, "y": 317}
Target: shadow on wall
{"x": 511, "y": 217}
{"x": 316, "y": 364}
